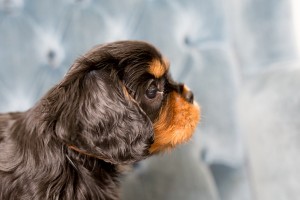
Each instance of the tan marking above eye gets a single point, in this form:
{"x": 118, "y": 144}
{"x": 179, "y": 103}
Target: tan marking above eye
{"x": 157, "y": 69}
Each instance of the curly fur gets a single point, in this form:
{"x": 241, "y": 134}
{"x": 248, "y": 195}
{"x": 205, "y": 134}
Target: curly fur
{"x": 70, "y": 144}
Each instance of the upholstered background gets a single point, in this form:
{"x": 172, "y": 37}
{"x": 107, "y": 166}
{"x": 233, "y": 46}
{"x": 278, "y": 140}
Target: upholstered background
{"x": 239, "y": 56}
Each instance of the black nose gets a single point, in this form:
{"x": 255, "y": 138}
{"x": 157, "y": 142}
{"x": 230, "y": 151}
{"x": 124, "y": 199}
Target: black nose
{"x": 189, "y": 96}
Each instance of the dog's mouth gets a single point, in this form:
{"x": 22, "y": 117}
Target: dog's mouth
{"x": 176, "y": 124}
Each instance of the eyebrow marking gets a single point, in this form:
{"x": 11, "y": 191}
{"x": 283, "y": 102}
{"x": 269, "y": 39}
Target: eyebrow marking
{"x": 157, "y": 69}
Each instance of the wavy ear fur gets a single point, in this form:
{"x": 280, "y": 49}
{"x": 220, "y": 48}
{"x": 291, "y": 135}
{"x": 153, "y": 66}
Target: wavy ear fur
{"x": 91, "y": 112}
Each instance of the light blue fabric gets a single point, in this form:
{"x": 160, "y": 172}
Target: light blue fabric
{"x": 238, "y": 56}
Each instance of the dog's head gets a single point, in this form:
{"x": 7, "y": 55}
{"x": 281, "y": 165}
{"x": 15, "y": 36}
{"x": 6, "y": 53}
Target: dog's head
{"x": 119, "y": 103}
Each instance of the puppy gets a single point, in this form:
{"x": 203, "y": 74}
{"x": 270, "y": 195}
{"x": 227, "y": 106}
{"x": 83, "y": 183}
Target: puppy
{"x": 116, "y": 105}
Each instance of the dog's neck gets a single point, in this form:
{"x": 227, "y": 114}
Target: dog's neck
{"x": 92, "y": 164}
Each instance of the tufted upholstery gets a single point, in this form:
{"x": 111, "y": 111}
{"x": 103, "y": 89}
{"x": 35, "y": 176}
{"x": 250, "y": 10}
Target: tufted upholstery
{"x": 238, "y": 56}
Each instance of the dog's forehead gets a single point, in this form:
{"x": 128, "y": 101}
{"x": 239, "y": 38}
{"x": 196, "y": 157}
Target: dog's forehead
{"x": 158, "y": 68}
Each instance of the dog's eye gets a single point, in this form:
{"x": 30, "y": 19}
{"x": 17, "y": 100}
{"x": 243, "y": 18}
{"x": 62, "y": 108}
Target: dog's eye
{"x": 152, "y": 91}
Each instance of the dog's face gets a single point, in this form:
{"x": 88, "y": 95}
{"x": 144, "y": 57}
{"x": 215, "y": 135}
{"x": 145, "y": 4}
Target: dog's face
{"x": 119, "y": 103}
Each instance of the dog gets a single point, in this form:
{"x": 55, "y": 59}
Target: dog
{"x": 115, "y": 106}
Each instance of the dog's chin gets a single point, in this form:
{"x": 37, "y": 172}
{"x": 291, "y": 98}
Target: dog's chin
{"x": 176, "y": 124}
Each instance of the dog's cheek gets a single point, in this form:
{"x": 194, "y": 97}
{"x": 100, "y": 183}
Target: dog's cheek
{"x": 176, "y": 124}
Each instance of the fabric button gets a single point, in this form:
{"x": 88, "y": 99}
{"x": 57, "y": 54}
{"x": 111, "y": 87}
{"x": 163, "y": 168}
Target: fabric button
{"x": 51, "y": 50}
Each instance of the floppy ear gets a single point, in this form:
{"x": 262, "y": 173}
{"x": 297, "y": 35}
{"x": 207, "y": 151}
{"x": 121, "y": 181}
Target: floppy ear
{"x": 93, "y": 114}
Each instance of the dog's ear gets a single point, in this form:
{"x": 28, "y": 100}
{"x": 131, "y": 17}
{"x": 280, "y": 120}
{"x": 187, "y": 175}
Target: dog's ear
{"x": 92, "y": 113}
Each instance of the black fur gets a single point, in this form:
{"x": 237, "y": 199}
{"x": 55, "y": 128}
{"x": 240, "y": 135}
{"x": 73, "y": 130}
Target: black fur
{"x": 70, "y": 144}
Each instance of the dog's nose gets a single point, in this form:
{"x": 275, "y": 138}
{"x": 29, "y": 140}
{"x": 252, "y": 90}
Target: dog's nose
{"x": 189, "y": 96}
{"x": 185, "y": 92}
